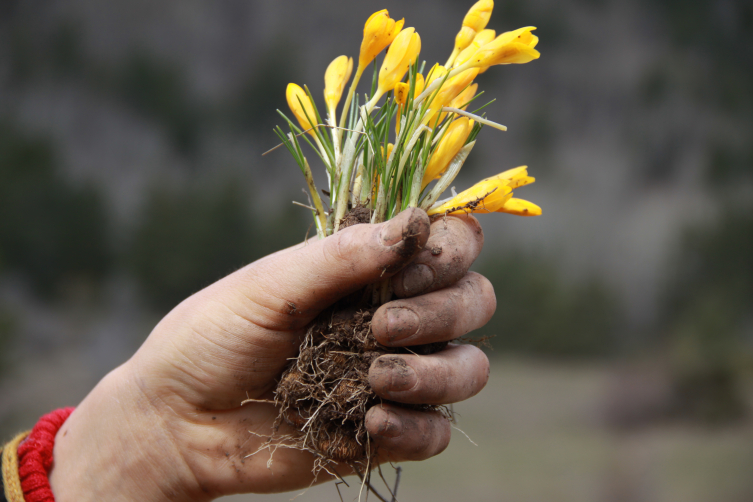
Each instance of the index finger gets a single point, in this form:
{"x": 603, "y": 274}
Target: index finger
{"x": 454, "y": 244}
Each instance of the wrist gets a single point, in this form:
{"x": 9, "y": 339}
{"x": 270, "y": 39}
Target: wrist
{"x": 114, "y": 447}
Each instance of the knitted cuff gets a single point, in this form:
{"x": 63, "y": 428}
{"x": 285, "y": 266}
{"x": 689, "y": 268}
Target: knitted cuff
{"x": 27, "y": 460}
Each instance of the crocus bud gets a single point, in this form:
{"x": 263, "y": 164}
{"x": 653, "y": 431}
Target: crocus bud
{"x": 464, "y": 38}
{"x": 449, "y": 146}
{"x": 512, "y": 47}
{"x": 462, "y": 99}
{"x": 448, "y": 92}
{"x": 437, "y": 71}
{"x": 378, "y": 32}
{"x": 402, "y": 89}
{"x": 474, "y": 22}
{"x": 419, "y": 84}
{"x": 482, "y": 38}
{"x": 298, "y": 101}
{"x": 478, "y": 15}
{"x": 386, "y": 154}
{"x": 401, "y": 54}
{"x": 337, "y": 75}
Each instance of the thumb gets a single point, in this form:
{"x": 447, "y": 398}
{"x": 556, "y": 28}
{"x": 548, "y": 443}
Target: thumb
{"x": 293, "y": 286}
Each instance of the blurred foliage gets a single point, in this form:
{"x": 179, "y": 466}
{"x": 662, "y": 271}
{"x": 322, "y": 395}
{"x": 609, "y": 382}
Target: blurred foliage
{"x": 50, "y": 230}
{"x": 710, "y": 306}
{"x": 722, "y": 32}
{"x": 154, "y": 87}
{"x": 159, "y": 89}
{"x": 268, "y": 78}
{"x": 189, "y": 238}
{"x": 7, "y": 330}
{"x": 538, "y": 313}
{"x": 730, "y": 163}
{"x": 716, "y": 261}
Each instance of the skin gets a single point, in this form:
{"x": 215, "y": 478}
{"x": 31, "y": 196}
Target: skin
{"x": 168, "y": 425}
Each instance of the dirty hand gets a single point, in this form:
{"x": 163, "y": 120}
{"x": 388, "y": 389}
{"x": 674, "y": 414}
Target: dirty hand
{"x": 168, "y": 425}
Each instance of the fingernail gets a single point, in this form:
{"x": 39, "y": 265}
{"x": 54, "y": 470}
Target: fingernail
{"x": 389, "y": 424}
{"x": 417, "y": 278}
{"x": 392, "y": 374}
{"x": 401, "y": 323}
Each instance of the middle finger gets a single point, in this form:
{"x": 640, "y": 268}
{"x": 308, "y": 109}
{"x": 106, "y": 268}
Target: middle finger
{"x": 451, "y": 375}
{"x": 440, "y": 316}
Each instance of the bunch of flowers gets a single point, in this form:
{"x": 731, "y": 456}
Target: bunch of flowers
{"x": 428, "y": 111}
{"x": 324, "y": 393}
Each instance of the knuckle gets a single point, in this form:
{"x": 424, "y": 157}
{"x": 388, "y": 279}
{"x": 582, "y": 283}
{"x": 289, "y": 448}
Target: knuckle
{"x": 486, "y": 296}
{"x": 436, "y": 384}
{"x": 341, "y": 246}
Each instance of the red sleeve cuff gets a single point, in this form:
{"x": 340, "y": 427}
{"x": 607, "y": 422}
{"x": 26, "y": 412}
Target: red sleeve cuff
{"x": 35, "y": 456}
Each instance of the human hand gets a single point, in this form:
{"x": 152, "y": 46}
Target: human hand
{"x": 168, "y": 423}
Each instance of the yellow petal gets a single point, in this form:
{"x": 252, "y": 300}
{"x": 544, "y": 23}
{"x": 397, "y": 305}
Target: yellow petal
{"x": 386, "y": 155}
{"x": 483, "y": 197}
{"x": 337, "y": 75}
{"x": 448, "y": 92}
{"x": 378, "y": 32}
{"x": 482, "y": 38}
{"x": 297, "y": 96}
{"x": 478, "y": 15}
{"x": 419, "y": 84}
{"x": 520, "y": 207}
{"x": 437, "y": 71}
{"x": 464, "y": 38}
{"x": 449, "y": 146}
{"x": 402, "y": 89}
{"x": 462, "y": 99}
{"x": 510, "y": 174}
{"x": 512, "y": 47}
{"x": 402, "y": 53}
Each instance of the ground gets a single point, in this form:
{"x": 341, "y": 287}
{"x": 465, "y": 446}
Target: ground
{"x": 541, "y": 437}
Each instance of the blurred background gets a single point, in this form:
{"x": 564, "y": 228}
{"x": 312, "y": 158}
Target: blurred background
{"x": 131, "y": 176}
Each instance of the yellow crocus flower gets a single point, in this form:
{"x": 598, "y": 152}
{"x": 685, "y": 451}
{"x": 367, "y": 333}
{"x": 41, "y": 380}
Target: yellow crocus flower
{"x": 419, "y": 84}
{"x": 401, "y": 54}
{"x": 449, "y": 146}
{"x": 462, "y": 99}
{"x": 386, "y": 155}
{"x": 448, "y": 92}
{"x": 478, "y": 15}
{"x": 484, "y": 197}
{"x": 512, "y": 47}
{"x": 337, "y": 75}
{"x": 482, "y": 38}
{"x": 437, "y": 71}
{"x": 474, "y": 22}
{"x": 464, "y": 38}
{"x": 402, "y": 90}
{"x": 493, "y": 194}
{"x": 378, "y": 32}
{"x": 296, "y": 97}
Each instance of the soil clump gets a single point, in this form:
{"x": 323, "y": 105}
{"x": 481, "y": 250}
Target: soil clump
{"x": 324, "y": 393}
